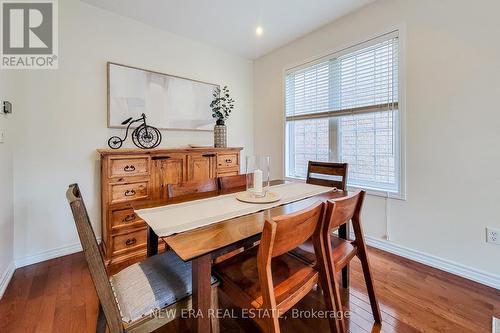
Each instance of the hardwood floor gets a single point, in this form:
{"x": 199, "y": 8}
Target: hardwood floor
{"x": 58, "y": 296}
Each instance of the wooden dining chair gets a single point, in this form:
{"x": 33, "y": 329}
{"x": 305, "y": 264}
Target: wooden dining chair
{"x": 332, "y": 175}
{"x": 327, "y": 174}
{"x": 339, "y": 252}
{"x": 228, "y": 184}
{"x": 143, "y": 296}
{"x": 267, "y": 278}
{"x": 181, "y": 192}
{"x": 192, "y": 188}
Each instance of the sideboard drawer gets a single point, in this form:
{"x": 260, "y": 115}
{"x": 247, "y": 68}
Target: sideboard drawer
{"x": 228, "y": 172}
{"x": 129, "y": 191}
{"x": 129, "y": 241}
{"x": 125, "y": 218}
{"x": 120, "y": 167}
{"x": 227, "y": 160}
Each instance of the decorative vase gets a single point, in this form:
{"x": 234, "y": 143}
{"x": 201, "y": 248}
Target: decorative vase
{"x": 220, "y": 134}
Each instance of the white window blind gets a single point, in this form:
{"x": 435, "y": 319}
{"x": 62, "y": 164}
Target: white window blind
{"x": 345, "y": 108}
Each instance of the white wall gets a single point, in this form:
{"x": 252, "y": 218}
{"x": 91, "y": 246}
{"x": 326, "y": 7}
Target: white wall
{"x": 452, "y": 84}
{"x": 6, "y": 189}
{"x": 63, "y": 122}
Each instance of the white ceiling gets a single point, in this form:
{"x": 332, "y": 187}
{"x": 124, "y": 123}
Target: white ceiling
{"x": 231, "y": 24}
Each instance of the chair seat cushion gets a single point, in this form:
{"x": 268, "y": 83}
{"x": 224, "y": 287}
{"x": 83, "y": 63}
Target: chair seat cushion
{"x": 240, "y": 273}
{"x": 343, "y": 250}
{"x": 155, "y": 283}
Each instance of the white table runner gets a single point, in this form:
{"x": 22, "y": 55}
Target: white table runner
{"x": 171, "y": 219}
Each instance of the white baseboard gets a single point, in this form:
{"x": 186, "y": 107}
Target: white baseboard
{"x": 50, "y": 254}
{"x": 6, "y": 277}
{"x": 449, "y": 266}
{"x": 36, "y": 258}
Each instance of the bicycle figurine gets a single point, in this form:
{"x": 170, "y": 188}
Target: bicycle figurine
{"x": 144, "y": 136}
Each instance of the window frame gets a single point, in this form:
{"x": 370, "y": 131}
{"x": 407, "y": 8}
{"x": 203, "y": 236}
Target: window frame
{"x": 400, "y": 33}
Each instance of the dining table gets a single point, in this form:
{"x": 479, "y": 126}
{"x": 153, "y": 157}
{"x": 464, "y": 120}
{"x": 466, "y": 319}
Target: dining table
{"x": 202, "y": 245}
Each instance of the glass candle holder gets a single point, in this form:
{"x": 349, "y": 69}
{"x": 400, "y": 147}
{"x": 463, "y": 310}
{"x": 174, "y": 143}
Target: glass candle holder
{"x": 257, "y": 171}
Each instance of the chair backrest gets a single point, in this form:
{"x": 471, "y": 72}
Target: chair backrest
{"x": 286, "y": 232}
{"x": 281, "y": 235}
{"x": 341, "y": 211}
{"x": 233, "y": 183}
{"x": 94, "y": 259}
{"x": 334, "y": 174}
{"x": 192, "y": 188}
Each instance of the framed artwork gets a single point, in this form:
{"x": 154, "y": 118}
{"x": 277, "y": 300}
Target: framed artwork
{"x": 169, "y": 102}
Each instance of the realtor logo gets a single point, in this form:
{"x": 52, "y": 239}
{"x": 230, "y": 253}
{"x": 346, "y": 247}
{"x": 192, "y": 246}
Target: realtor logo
{"x": 29, "y": 34}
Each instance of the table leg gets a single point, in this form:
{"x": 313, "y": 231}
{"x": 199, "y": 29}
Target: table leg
{"x": 201, "y": 279}
{"x": 152, "y": 247}
{"x": 344, "y": 232}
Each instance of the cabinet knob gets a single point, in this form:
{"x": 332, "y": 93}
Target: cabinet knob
{"x": 129, "y": 193}
{"x": 131, "y": 241}
{"x": 129, "y": 168}
{"x": 129, "y": 218}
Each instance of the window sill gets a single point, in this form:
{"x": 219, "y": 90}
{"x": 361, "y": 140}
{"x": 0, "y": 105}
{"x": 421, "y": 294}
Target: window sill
{"x": 369, "y": 191}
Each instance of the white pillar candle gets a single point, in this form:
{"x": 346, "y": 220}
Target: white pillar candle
{"x": 257, "y": 181}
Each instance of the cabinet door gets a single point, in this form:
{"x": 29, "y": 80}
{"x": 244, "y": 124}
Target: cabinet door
{"x": 202, "y": 166}
{"x": 167, "y": 169}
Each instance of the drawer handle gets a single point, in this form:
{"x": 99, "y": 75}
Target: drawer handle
{"x": 156, "y": 158}
{"x": 228, "y": 160}
{"x": 131, "y": 241}
{"x": 129, "y": 218}
{"x": 129, "y": 193}
{"x": 208, "y": 155}
{"x": 129, "y": 168}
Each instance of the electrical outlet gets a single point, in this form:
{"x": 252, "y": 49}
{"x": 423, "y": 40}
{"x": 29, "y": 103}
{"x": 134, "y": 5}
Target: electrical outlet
{"x": 7, "y": 107}
{"x": 2, "y": 136}
{"x": 492, "y": 236}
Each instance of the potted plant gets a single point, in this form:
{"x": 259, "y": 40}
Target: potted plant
{"x": 221, "y": 106}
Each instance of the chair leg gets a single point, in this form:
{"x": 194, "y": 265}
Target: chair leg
{"x": 101, "y": 321}
{"x": 345, "y": 277}
{"x": 365, "y": 264}
{"x": 344, "y": 233}
{"x": 363, "y": 257}
{"x": 215, "y": 306}
{"x": 332, "y": 304}
{"x": 273, "y": 324}
{"x": 328, "y": 298}
{"x": 337, "y": 301}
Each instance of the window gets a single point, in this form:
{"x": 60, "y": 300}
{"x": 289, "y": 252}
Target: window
{"x": 345, "y": 108}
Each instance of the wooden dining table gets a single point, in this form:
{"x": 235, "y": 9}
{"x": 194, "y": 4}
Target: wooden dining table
{"x": 203, "y": 245}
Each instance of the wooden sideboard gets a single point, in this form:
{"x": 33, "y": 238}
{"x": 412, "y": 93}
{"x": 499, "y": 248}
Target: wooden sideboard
{"x": 140, "y": 177}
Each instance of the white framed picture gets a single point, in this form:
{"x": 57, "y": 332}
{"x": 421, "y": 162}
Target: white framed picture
{"x": 168, "y": 101}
